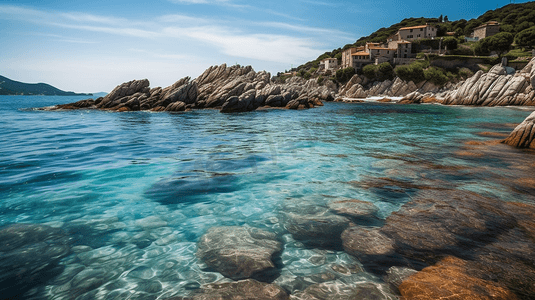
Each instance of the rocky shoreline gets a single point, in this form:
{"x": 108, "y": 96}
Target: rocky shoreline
{"x": 230, "y": 89}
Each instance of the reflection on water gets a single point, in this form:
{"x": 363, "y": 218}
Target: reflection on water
{"x": 112, "y": 205}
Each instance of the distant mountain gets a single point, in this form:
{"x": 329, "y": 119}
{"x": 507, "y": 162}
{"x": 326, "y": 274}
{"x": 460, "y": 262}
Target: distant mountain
{"x": 11, "y": 87}
{"x": 99, "y": 94}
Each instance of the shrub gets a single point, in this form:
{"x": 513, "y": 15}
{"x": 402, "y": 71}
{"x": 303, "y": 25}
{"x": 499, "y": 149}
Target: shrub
{"x": 500, "y": 42}
{"x": 320, "y": 79}
{"x": 465, "y": 73}
{"x": 413, "y": 72}
{"x": 450, "y": 42}
{"x": 307, "y": 75}
{"x": 344, "y": 75}
{"x": 369, "y": 71}
{"x": 385, "y": 71}
{"x": 436, "y": 76}
{"x": 526, "y": 37}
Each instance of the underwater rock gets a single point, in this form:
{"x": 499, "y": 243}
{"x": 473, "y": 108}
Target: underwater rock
{"x": 238, "y": 252}
{"x": 438, "y": 223}
{"x": 244, "y": 289}
{"x": 317, "y": 229}
{"x": 359, "y": 241}
{"x": 495, "y": 237}
{"x": 354, "y": 208}
{"x": 342, "y": 291}
{"x": 448, "y": 280}
{"x": 29, "y": 256}
{"x": 396, "y": 275}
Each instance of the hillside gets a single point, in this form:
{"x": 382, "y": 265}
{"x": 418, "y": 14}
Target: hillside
{"x": 11, "y": 87}
{"x": 513, "y": 18}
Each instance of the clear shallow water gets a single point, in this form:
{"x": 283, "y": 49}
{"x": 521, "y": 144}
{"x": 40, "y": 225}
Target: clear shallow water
{"x": 137, "y": 190}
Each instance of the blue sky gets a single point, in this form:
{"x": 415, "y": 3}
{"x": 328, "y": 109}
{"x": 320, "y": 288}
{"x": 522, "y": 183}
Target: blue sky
{"x": 92, "y": 46}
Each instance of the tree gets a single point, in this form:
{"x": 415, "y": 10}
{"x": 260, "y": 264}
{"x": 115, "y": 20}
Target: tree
{"x": 500, "y": 43}
{"x": 385, "y": 71}
{"x": 369, "y": 71}
{"x": 450, "y": 42}
{"x": 344, "y": 75}
{"x": 440, "y": 19}
{"x": 526, "y": 37}
{"x": 446, "y": 19}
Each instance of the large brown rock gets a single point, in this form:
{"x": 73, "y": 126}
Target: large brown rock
{"x": 523, "y": 136}
{"x": 448, "y": 280}
{"x": 238, "y": 252}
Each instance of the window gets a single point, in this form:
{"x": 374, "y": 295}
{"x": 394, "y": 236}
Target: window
{"x": 418, "y": 35}
{"x": 411, "y": 30}
{"x": 421, "y": 29}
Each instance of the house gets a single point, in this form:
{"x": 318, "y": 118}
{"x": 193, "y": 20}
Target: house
{"x": 486, "y": 30}
{"x": 328, "y": 64}
{"x": 416, "y": 32}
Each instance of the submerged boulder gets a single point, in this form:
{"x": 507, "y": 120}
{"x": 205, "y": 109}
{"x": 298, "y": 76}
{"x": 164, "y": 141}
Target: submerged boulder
{"x": 29, "y": 256}
{"x": 239, "y": 252}
{"x": 448, "y": 279}
{"x": 340, "y": 290}
{"x": 244, "y": 289}
{"x": 317, "y": 229}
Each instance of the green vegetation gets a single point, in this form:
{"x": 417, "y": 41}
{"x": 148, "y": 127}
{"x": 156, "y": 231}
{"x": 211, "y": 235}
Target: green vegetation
{"x": 526, "y": 38}
{"x": 344, "y": 75}
{"x": 516, "y": 53}
{"x": 413, "y": 72}
{"x": 517, "y": 23}
{"x": 499, "y": 43}
{"x": 436, "y": 75}
{"x": 379, "y": 72}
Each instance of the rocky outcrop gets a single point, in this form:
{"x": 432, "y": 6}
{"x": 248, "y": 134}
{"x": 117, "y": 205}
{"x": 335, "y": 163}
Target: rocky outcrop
{"x": 29, "y": 256}
{"x": 523, "y": 136}
{"x": 360, "y": 87}
{"x": 496, "y": 88}
{"x": 231, "y": 89}
{"x": 238, "y": 252}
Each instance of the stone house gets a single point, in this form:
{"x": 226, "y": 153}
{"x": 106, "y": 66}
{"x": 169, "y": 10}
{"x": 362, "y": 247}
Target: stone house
{"x": 488, "y": 29}
{"x": 328, "y": 64}
{"x": 416, "y": 32}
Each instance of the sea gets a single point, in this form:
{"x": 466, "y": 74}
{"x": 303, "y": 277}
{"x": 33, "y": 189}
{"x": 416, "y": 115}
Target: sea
{"x": 135, "y": 191}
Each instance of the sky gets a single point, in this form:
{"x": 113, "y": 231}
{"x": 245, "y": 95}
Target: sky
{"x": 93, "y": 46}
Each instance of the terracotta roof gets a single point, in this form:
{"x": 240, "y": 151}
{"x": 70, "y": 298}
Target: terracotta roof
{"x": 380, "y": 48}
{"x": 415, "y": 27}
{"x": 404, "y": 42}
{"x": 360, "y": 53}
{"x": 491, "y": 23}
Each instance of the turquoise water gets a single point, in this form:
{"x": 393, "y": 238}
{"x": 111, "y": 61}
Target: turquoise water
{"x": 136, "y": 190}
